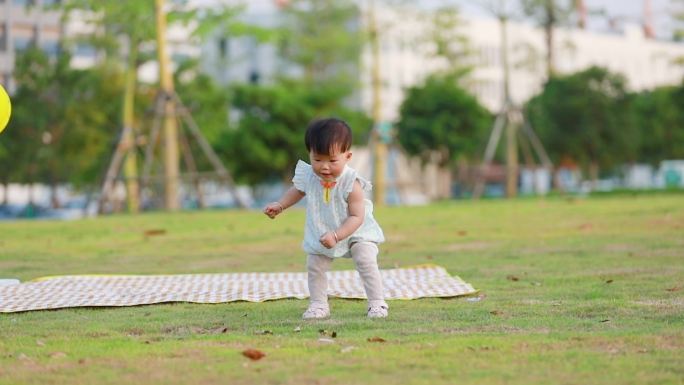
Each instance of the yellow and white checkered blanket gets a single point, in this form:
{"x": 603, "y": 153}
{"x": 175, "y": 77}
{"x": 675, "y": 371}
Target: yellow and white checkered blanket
{"x": 128, "y": 290}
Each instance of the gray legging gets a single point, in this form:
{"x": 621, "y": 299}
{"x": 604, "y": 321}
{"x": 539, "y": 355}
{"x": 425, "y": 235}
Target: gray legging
{"x": 365, "y": 256}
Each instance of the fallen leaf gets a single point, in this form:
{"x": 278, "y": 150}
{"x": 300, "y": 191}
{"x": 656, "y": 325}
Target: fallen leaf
{"x": 462, "y": 233}
{"x": 154, "y": 232}
{"x": 82, "y": 361}
{"x": 586, "y": 226}
{"x": 496, "y": 312}
{"x": 376, "y": 339}
{"x": 428, "y": 257}
{"x": 512, "y": 278}
{"x": 609, "y": 281}
{"x": 676, "y": 288}
{"x": 253, "y": 354}
{"x": 604, "y": 320}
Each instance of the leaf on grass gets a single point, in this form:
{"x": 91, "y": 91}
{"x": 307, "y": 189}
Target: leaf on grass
{"x": 462, "y": 233}
{"x": 609, "y": 281}
{"x": 154, "y": 232}
{"x": 676, "y": 288}
{"x": 253, "y": 354}
{"x": 496, "y": 312}
{"x": 604, "y": 320}
{"x": 512, "y": 278}
{"x": 586, "y": 226}
{"x": 376, "y": 339}
{"x": 428, "y": 257}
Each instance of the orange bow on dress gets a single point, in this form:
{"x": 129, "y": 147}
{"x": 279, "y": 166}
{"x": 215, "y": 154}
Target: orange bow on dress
{"x": 327, "y": 186}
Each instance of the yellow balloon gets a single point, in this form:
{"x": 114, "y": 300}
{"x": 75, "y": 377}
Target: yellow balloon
{"x": 5, "y": 108}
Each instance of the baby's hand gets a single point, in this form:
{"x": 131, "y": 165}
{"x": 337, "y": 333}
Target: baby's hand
{"x": 329, "y": 240}
{"x": 273, "y": 209}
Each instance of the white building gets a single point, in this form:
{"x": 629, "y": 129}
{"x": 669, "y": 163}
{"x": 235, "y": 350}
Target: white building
{"x": 645, "y": 63}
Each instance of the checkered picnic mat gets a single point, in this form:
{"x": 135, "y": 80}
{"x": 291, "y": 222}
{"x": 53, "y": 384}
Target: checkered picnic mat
{"x": 128, "y": 290}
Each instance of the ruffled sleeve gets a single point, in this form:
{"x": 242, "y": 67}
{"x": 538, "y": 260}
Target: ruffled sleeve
{"x": 348, "y": 184}
{"x": 365, "y": 184}
{"x": 302, "y": 176}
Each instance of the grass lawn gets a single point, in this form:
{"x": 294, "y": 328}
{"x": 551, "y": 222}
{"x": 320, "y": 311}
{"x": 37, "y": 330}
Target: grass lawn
{"x": 576, "y": 291}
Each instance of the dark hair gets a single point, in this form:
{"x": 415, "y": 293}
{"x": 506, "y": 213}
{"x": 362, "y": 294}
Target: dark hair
{"x": 324, "y": 135}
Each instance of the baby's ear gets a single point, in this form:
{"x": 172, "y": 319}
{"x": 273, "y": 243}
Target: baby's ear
{"x": 349, "y": 155}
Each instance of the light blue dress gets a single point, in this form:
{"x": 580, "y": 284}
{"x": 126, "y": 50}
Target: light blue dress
{"x": 322, "y": 217}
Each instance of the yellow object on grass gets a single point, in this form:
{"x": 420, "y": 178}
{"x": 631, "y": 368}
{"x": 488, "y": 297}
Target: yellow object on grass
{"x": 5, "y": 108}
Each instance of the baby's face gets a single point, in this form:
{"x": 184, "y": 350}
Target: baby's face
{"x": 329, "y": 167}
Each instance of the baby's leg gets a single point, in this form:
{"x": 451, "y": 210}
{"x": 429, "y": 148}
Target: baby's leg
{"x": 365, "y": 256}
{"x": 317, "y": 267}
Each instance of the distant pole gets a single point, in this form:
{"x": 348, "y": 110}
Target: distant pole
{"x": 511, "y": 128}
{"x": 380, "y": 147}
{"x": 648, "y": 20}
{"x": 171, "y": 158}
{"x": 581, "y": 13}
{"x": 130, "y": 169}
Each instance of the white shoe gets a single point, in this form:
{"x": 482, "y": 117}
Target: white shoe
{"x": 316, "y": 312}
{"x": 377, "y": 312}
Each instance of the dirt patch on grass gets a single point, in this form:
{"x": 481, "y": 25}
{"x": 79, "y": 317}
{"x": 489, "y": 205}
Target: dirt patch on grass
{"x": 470, "y": 246}
{"x": 184, "y": 330}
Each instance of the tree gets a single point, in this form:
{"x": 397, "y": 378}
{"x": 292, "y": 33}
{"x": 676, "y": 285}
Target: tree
{"x": 439, "y": 117}
{"x": 320, "y": 45}
{"x": 269, "y": 138}
{"x": 584, "y": 117}
{"x": 63, "y": 119}
{"x": 659, "y": 117}
{"x": 549, "y": 14}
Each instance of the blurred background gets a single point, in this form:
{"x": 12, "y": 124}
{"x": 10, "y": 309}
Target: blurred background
{"x": 126, "y": 106}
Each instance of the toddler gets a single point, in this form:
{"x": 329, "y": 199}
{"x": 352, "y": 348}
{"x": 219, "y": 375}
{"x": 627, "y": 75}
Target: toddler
{"x": 339, "y": 220}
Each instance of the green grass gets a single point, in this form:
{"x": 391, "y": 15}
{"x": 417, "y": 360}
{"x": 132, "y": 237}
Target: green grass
{"x": 590, "y": 305}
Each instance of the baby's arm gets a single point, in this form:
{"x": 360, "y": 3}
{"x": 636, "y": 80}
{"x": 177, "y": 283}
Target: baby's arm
{"x": 290, "y": 197}
{"x": 357, "y": 212}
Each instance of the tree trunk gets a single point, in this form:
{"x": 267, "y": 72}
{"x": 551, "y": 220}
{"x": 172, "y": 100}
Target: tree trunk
{"x": 549, "y": 32}
{"x": 594, "y": 174}
{"x": 54, "y": 200}
{"x": 5, "y": 189}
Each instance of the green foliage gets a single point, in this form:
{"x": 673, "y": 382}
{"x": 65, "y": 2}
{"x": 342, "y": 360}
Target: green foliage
{"x": 441, "y": 117}
{"x": 323, "y": 40}
{"x": 64, "y": 120}
{"x": 450, "y": 44}
{"x": 585, "y": 117}
{"x": 659, "y": 117}
{"x": 320, "y": 44}
{"x": 269, "y": 138}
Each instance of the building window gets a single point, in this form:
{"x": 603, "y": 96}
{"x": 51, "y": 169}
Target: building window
{"x": 21, "y": 43}
{"x": 223, "y": 47}
{"x": 3, "y": 37}
{"x": 51, "y": 48}
{"x": 25, "y": 3}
